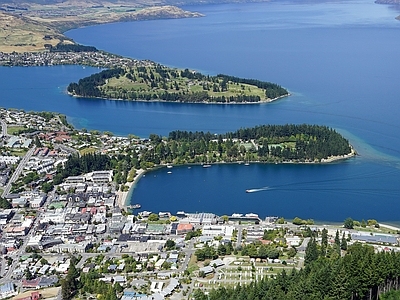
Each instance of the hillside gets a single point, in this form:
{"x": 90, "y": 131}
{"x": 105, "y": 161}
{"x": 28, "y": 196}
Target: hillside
{"x": 157, "y": 82}
{"x": 21, "y": 34}
{"x": 28, "y": 26}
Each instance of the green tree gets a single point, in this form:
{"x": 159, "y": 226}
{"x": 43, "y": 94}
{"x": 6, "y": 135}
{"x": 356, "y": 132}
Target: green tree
{"x": 324, "y": 241}
{"x": 343, "y": 243}
{"x": 291, "y": 252}
{"x": 69, "y": 286}
{"x": 298, "y": 221}
{"x": 153, "y": 217}
{"x": 349, "y": 223}
{"x": 281, "y": 220}
{"x": 170, "y": 244}
{"x": 337, "y": 242}
{"x": 311, "y": 252}
{"x": 4, "y": 203}
{"x": 37, "y": 142}
{"x": 28, "y": 274}
{"x": 47, "y": 187}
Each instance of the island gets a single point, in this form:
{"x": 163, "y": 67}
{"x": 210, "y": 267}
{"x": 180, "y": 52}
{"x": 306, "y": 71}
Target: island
{"x": 156, "y": 82}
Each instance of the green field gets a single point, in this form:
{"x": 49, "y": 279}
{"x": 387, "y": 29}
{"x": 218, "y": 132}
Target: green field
{"x": 156, "y": 82}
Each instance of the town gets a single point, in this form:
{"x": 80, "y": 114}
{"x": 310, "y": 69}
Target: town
{"x": 52, "y": 226}
{"x": 95, "y": 58}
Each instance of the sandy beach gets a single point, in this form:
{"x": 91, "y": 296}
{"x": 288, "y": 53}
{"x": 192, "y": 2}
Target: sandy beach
{"x": 122, "y": 196}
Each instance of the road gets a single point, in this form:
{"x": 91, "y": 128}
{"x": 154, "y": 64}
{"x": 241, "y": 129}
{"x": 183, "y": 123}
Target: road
{"x": 3, "y": 128}
{"x": 239, "y": 236}
{"x": 18, "y": 171}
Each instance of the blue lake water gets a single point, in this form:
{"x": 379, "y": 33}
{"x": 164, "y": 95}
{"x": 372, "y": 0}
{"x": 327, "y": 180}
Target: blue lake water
{"x": 338, "y": 59}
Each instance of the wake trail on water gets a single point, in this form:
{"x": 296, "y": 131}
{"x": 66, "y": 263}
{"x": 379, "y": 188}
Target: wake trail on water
{"x": 334, "y": 185}
{"x": 266, "y": 188}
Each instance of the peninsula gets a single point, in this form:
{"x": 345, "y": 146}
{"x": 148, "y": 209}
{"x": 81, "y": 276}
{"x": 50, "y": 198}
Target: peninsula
{"x": 157, "y": 82}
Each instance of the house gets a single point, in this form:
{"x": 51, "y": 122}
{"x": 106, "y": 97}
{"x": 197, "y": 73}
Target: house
{"x": 216, "y": 263}
{"x": 31, "y": 284}
{"x": 184, "y": 228}
{"x": 38, "y": 201}
{"x": 159, "y": 263}
{"x": 112, "y": 268}
{"x": 207, "y": 270}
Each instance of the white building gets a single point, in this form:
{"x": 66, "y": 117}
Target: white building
{"x": 218, "y": 230}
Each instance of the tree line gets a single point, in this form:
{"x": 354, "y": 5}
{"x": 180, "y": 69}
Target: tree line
{"x": 88, "y": 86}
{"x": 268, "y": 143}
{"x": 72, "y": 48}
{"x": 77, "y": 165}
{"x": 357, "y": 275}
{"x": 272, "y": 90}
{"x": 162, "y": 83}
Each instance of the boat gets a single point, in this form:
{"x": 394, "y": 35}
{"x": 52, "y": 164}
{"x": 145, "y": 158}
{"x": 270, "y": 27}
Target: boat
{"x": 169, "y": 172}
{"x": 206, "y": 166}
{"x": 136, "y": 206}
{"x": 247, "y": 164}
{"x": 169, "y": 166}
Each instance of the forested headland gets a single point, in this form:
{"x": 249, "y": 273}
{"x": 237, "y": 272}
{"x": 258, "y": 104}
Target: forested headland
{"x": 266, "y": 143}
{"x": 157, "y": 82}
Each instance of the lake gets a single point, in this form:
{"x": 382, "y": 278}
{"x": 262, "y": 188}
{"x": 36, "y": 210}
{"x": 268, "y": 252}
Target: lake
{"x": 338, "y": 59}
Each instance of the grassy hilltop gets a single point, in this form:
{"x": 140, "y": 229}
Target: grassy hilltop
{"x": 157, "y": 82}
{"x": 29, "y": 26}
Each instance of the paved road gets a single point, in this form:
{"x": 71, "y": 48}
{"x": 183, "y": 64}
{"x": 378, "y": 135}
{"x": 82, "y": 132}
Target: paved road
{"x": 239, "y": 236}
{"x": 3, "y": 128}
{"x": 18, "y": 171}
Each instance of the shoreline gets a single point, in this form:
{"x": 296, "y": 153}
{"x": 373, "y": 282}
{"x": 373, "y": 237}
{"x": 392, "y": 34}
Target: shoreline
{"x": 179, "y": 102}
{"x": 122, "y": 199}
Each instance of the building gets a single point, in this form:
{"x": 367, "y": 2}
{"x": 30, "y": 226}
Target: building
{"x": 38, "y": 201}
{"x": 375, "y": 238}
{"x": 72, "y": 248}
{"x": 5, "y": 216}
{"x": 218, "y": 230}
{"x": 7, "y": 290}
{"x": 101, "y": 176}
{"x": 201, "y": 218}
{"x": 184, "y": 228}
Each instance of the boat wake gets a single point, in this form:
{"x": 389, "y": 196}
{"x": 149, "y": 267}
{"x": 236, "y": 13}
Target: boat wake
{"x": 258, "y": 190}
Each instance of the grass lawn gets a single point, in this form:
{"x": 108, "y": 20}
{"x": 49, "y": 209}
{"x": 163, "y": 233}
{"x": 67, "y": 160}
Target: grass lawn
{"x": 18, "y": 152}
{"x": 87, "y": 150}
{"x": 13, "y": 129}
{"x": 192, "y": 266}
{"x": 184, "y": 85}
{"x": 46, "y": 293}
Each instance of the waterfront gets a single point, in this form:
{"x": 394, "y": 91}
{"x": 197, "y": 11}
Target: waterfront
{"x": 328, "y": 192}
{"x": 347, "y": 81}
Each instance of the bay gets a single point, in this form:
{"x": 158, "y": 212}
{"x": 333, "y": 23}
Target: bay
{"x": 320, "y": 192}
{"x": 339, "y": 60}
